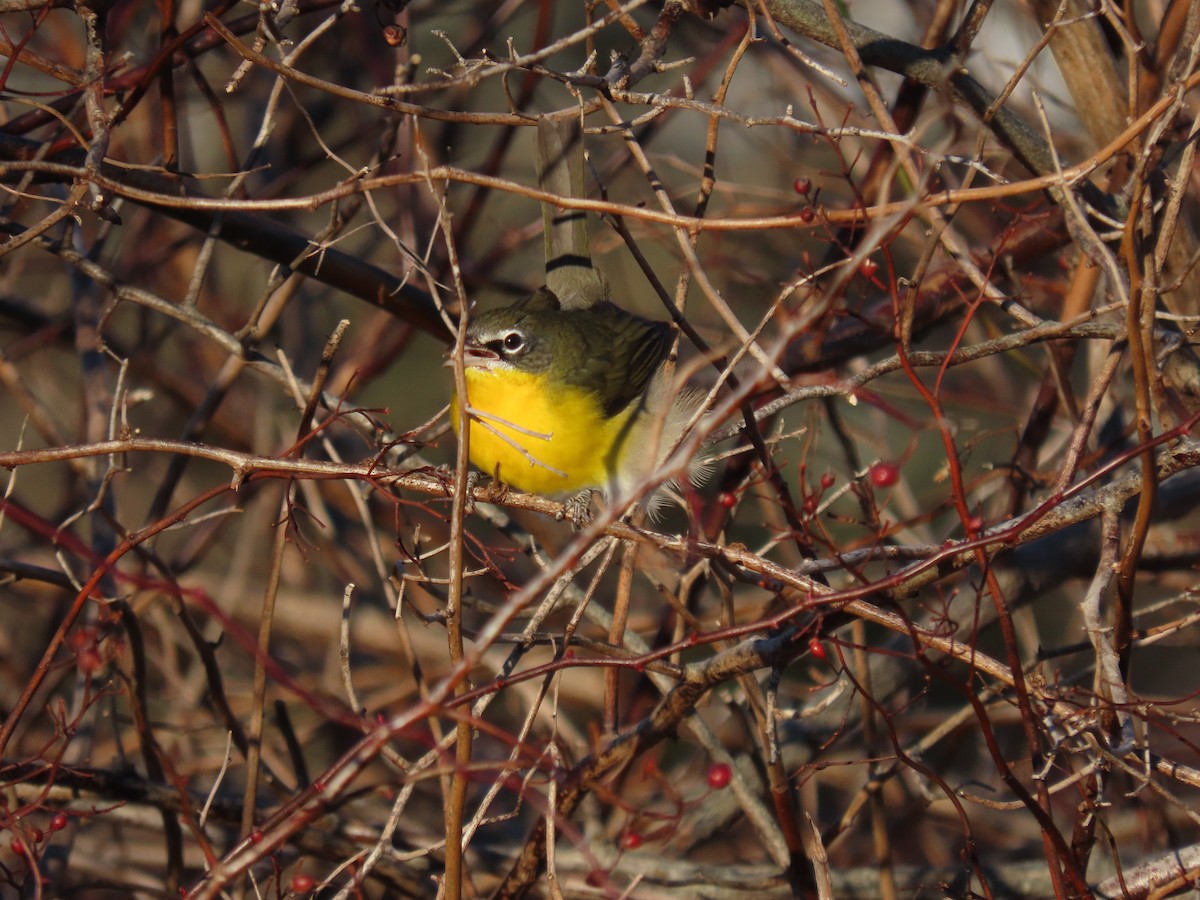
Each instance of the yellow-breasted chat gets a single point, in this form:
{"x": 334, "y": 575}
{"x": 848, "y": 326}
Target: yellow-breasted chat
{"x": 564, "y": 400}
{"x": 566, "y": 391}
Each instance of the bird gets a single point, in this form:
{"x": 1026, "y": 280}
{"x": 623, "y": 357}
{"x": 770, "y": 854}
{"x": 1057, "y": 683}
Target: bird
{"x": 564, "y": 401}
{"x": 567, "y": 392}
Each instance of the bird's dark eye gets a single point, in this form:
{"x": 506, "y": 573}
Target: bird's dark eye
{"x": 513, "y": 342}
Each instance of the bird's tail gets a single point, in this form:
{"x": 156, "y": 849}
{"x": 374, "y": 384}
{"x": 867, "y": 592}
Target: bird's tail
{"x": 560, "y": 165}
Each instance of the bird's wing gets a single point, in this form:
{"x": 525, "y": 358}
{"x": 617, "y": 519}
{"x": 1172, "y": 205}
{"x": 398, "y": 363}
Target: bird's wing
{"x": 623, "y": 353}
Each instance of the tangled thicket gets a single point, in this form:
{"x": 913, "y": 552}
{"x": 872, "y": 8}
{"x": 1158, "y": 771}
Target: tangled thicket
{"x": 934, "y": 264}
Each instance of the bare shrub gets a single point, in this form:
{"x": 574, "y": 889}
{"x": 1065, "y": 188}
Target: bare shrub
{"x": 935, "y": 266}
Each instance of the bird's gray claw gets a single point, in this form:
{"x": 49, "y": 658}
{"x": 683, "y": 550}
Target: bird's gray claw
{"x": 578, "y": 509}
{"x": 469, "y": 485}
{"x": 473, "y": 479}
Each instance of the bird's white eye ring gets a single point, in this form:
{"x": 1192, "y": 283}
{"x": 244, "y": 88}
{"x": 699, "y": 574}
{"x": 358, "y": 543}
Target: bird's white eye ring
{"x": 513, "y": 342}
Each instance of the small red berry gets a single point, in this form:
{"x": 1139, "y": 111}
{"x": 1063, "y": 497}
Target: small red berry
{"x": 303, "y": 884}
{"x": 256, "y": 836}
{"x": 719, "y": 776}
{"x": 17, "y": 846}
{"x": 802, "y": 185}
{"x": 807, "y": 214}
{"x": 38, "y": 835}
{"x": 59, "y": 822}
{"x": 817, "y": 649}
{"x": 81, "y": 637}
{"x": 631, "y": 840}
{"x": 869, "y": 267}
{"x": 727, "y": 499}
{"x": 827, "y": 481}
{"x": 884, "y": 474}
{"x": 89, "y": 661}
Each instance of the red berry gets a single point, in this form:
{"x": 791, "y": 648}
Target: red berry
{"x": 256, "y": 836}
{"x": 719, "y": 776}
{"x": 807, "y": 214}
{"x": 81, "y": 637}
{"x": 59, "y": 822}
{"x": 817, "y": 649}
{"x": 884, "y": 474}
{"x": 869, "y": 267}
{"x": 727, "y": 499}
{"x": 802, "y": 185}
{"x": 17, "y": 846}
{"x": 631, "y": 840}
{"x": 827, "y": 481}
{"x": 303, "y": 884}
{"x": 89, "y": 661}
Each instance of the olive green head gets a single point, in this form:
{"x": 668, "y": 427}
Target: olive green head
{"x": 601, "y": 349}
{"x": 533, "y": 336}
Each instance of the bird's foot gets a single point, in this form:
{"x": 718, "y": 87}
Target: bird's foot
{"x": 577, "y": 509}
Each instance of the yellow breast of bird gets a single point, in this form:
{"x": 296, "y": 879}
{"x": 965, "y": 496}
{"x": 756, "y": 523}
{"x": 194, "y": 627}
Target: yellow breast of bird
{"x": 543, "y": 439}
